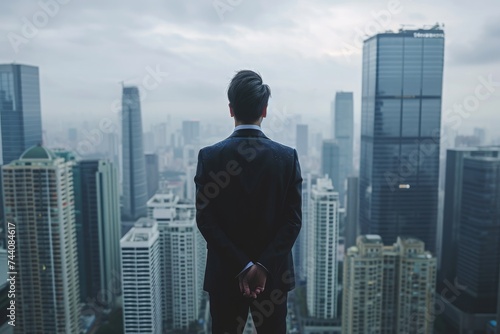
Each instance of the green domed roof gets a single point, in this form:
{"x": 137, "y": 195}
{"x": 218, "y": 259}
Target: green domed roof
{"x": 37, "y": 152}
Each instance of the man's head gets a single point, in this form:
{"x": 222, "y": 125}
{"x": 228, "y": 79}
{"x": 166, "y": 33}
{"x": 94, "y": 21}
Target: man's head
{"x": 248, "y": 97}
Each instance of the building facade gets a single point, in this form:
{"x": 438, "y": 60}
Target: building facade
{"x": 388, "y": 289}
{"x": 322, "y": 240}
{"x": 134, "y": 187}
{"x": 343, "y": 133}
{"x": 39, "y": 200}
{"x": 20, "y": 110}
{"x": 330, "y": 162}
{"x": 141, "y": 280}
{"x": 183, "y": 257}
{"x": 99, "y": 230}
{"x": 400, "y": 134}
{"x": 152, "y": 174}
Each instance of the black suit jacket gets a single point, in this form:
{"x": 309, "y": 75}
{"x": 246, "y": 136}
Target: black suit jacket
{"x": 248, "y": 208}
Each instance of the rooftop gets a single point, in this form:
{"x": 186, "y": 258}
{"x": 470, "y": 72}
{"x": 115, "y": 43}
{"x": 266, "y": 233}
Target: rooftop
{"x": 38, "y": 152}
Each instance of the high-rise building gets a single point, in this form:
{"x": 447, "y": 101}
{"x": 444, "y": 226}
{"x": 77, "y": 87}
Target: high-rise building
{"x": 152, "y": 173}
{"x": 322, "y": 239}
{"x": 343, "y": 133}
{"x": 39, "y": 200}
{"x": 134, "y": 165}
{"x": 20, "y": 111}
{"x": 183, "y": 252}
{"x": 99, "y": 230}
{"x": 330, "y": 162}
{"x": 352, "y": 211}
{"x": 454, "y": 175}
{"x": 400, "y": 134}
{"x": 141, "y": 278}
{"x": 388, "y": 289}
{"x": 470, "y": 257}
{"x": 191, "y": 132}
{"x": 302, "y": 139}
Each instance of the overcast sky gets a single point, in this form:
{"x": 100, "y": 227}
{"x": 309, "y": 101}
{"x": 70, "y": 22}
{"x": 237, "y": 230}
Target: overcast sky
{"x": 85, "y": 48}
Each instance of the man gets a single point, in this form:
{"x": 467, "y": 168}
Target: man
{"x": 248, "y": 202}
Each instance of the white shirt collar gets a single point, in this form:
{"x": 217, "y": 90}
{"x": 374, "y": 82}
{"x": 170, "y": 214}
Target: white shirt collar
{"x": 247, "y": 126}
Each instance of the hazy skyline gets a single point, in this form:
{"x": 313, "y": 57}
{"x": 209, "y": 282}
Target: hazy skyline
{"x": 306, "y": 51}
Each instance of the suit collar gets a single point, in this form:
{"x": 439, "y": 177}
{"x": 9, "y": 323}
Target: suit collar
{"x": 248, "y": 133}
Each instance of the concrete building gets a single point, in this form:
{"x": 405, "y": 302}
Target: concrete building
{"x": 141, "y": 280}
{"x": 388, "y": 289}
{"x": 183, "y": 256}
{"x": 322, "y": 240}
{"x": 39, "y": 200}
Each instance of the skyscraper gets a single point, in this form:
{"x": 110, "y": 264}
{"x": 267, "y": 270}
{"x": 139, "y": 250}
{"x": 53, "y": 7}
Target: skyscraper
{"x": 152, "y": 173}
{"x": 191, "y": 132}
{"x": 182, "y": 256}
{"x": 330, "y": 162}
{"x": 302, "y": 139}
{"x": 454, "y": 174}
{"x": 134, "y": 165}
{"x": 343, "y": 125}
{"x": 470, "y": 258}
{"x": 20, "y": 111}
{"x": 322, "y": 235}
{"x": 400, "y": 134}
{"x": 388, "y": 289}
{"x": 141, "y": 280}
{"x": 352, "y": 212}
{"x": 39, "y": 200}
{"x": 98, "y": 219}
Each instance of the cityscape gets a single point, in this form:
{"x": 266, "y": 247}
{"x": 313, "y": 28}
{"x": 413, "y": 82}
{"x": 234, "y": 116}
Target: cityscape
{"x": 400, "y": 193}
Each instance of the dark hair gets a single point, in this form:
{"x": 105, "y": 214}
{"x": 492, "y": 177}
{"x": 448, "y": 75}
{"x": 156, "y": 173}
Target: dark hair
{"x": 248, "y": 96}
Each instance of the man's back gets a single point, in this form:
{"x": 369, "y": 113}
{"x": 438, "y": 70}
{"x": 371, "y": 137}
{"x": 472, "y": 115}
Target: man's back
{"x": 249, "y": 177}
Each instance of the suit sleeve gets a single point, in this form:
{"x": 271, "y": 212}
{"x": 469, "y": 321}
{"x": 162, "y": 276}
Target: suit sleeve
{"x": 206, "y": 220}
{"x": 279, "y": 249}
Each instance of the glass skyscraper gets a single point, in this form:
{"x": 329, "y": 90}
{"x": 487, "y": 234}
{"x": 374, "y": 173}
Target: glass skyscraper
{"x": 134, "y": 163}
{"x": 343, "y": 126}
{"x": 400, "y": 134}
{"x": 21, "y": 119}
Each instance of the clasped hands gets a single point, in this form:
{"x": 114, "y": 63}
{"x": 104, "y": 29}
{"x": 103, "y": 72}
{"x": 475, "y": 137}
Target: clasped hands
{"x": 253, "y": 281}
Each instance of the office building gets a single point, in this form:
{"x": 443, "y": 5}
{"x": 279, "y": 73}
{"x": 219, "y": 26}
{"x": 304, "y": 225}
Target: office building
{"x": 343, "y": 133}
{"x": 352, "y": 212}
{"x": 388, "y": 289}
{"x": 400, "y": 134}
{"x": 141, "y": 280}
{"x": 152, "y": 174}
{"x": 20, "y": 110}
{"x": 322, "y": 239}
{"x": 134, "y": 187}
{"x": 470, "y": 257}
{"x": 97, "y": 202}
{"x": 39, "y": 200}
{"x": 183, "y": 253}
{"x": 302, "y": 139}
{"x": 330, "y": 162}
